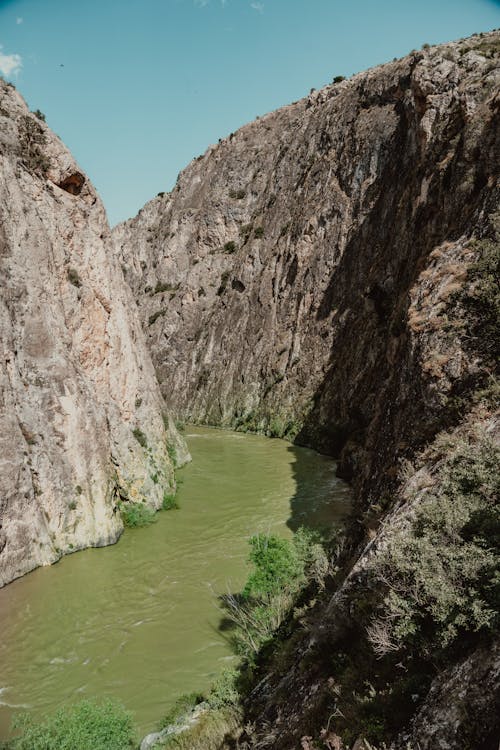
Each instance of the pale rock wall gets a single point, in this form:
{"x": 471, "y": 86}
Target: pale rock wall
{"x": 75, "y": 376}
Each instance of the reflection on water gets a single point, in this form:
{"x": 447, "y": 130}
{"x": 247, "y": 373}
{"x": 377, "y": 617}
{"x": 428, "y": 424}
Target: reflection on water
{"x": 138, "y": 620}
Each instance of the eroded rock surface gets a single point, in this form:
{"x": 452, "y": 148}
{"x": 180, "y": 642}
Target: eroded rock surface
{"x": 75, "y": 376}
{"x": 274, "y": 282}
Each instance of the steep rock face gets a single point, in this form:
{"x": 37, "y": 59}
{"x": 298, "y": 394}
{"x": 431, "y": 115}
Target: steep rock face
{"x": 274, "y": 282}
{"x": 315, "y": 275}
{"x": 75, "y": 376}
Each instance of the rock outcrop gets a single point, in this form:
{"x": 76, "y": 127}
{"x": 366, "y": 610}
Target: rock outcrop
{"x": 76, "y": 380}
{"x": 317, "y": 275}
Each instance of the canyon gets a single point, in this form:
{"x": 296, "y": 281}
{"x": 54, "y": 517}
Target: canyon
{"x": 327, "y": 274}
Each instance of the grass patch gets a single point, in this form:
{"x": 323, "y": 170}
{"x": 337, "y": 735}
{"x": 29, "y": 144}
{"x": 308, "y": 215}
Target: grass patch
{"x": 87, "y": 725}
{"x": 135, "y": 515}
{"x": 211, "y": 731}
{"x": 169, "y": 502}
{"x": 172, "y": 454}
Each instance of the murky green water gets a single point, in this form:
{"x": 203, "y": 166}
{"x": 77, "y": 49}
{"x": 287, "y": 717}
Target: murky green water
{"x": 139, "y": 620}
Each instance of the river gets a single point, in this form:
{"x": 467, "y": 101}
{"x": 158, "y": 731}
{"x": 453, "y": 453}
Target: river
{"x": 139, "y": 620}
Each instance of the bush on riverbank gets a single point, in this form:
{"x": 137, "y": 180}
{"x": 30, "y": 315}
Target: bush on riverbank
{"x": 135, "y": 515}
{"x": 281, "y": 569}
{"x": 87, "y": 725}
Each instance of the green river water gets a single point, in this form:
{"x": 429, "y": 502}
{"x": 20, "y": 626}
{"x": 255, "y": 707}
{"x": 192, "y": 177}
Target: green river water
{"x": 139, "y": 620}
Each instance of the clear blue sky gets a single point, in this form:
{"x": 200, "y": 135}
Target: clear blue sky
{"x": 146, "y": 85}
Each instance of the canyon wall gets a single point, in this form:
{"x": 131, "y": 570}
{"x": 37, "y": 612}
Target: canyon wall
{"x": 76, "y": 380}
{"x": 329, "y": 274}
{"x": 275, "y": 282}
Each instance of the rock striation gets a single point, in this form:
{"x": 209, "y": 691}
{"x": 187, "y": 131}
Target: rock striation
{"x": 321, "y": 275}
{"x": 76, "y": 380}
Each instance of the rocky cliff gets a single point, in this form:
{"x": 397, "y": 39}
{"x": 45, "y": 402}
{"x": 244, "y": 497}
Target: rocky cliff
{"x": 76, "y": 380}
{"x": 275, "y": 282}
{"x": 329, "y": 273}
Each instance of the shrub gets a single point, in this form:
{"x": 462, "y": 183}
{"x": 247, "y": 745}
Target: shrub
{"x": 33, "y": 139}
{"x": 39, "y": 115}
{"x": 440, "y": 570}
{"x": 224, "y": 691}
{"x": 230, "y": 247}
{"x": 135, "y": 515}
{"x": 281, "y": 568}
{"x": 258, "y": 232}
{"x": 276, "y": 564}
{"x": 169, "y": 502}
{"x": 87, "y": 725}
{"x": 245, "y": 231}
{"x": 140, "y": 437}
{"x": 338, "y": 79}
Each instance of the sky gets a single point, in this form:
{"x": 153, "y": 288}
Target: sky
{"x": 137, "y": 88}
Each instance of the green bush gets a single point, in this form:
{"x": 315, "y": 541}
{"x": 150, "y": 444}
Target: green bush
{"x": 224, "y": 691}
{"x": 135, "y": 515}
{"x": 258, "y": 232}
{"x": 230, "y": 248}
{"x": 276, "y": 564}
{"x": 87, "y": 725}
{"x": 440, "y": 570}
{"x": 281, "y": 568}
{"x": 169, "y": 502}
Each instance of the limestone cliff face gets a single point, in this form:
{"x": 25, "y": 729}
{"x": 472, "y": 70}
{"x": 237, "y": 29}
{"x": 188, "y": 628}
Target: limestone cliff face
{"x": 275, "y": 282}
{"x": 308, "y": 277}
{"x": 75, "y": 376}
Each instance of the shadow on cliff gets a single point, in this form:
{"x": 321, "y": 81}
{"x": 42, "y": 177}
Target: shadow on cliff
{"x": 375, "y": 402}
